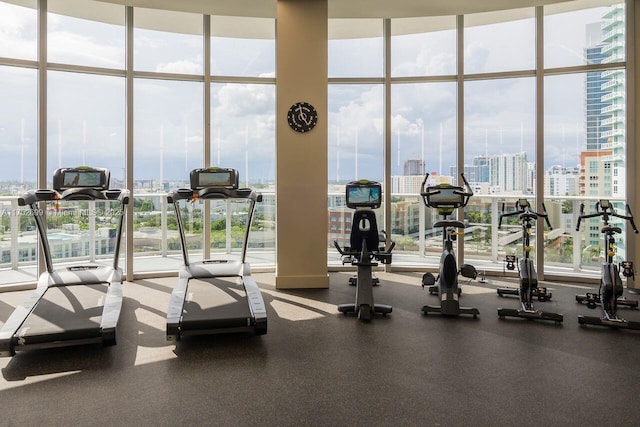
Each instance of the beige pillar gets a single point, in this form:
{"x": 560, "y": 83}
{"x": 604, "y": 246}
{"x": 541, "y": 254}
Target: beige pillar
{"x": 301, "y": 158}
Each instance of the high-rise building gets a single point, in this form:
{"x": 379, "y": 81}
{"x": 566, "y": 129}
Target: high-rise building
{"x": 595, "y": 89}
{"x": 509, "y": 172}
{"x": 613, "y": 29}
{"x": 561, "y": 181}
{"x": 414, "y": 167}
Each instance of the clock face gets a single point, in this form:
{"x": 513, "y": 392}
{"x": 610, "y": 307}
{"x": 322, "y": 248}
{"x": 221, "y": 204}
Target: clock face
{"x": 302, "y": 117}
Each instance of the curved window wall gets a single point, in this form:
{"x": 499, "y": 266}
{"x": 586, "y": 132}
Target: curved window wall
{"x": 490, "y": 130}
{"x": 407, "y": 96}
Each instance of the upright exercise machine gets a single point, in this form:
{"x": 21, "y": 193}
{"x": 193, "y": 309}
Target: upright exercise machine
{"x": 215, "y": 296}
{"x": 593, "y": 299}
{"x": 446, "y": 199}
{"x": 528, "y": 289}
{"x": 610, "y": 289}
{"x": 77, "y": 304}
{"x": 364, "y": 249}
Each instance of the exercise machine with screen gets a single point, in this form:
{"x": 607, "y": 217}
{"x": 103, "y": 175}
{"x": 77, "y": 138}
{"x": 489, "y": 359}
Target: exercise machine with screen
{"x": 446, "y": 198}
{"x": 215, "y": 296}
{"x": 79, "y": 303}
{"x": 364, "y": 196}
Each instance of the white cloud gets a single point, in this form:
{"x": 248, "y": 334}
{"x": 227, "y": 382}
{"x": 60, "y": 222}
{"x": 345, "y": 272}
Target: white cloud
{"x": 71, "y": 48}
{"x": 185, "y": 66}
{"x": 17, "y": 32}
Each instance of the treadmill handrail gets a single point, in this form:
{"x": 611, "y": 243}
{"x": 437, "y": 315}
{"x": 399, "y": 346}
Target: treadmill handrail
{"x": 33, "y": 197}
{"x": 214, "y": 193}
{"x": 48, "y": 195}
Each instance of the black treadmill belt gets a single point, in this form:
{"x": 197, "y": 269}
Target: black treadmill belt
{"x": 215, "y": 303}
{"x": 65, "y": 313}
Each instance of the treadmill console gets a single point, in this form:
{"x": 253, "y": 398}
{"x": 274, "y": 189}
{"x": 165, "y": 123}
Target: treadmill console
{"x": 364, "y": 194}
{"x": 81, "y": 177}
{"x": 214, "y": 178}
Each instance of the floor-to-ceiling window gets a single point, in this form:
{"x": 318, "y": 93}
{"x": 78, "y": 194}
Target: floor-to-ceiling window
{"x": 423, "y": 128}
{"x": 18, "y": 130}
{"x": 499, "y": 127}
{"x": 204, "y": 102}
{"x": 243, "y": 102}
{"x": 585, "y": 128}
{"x": 356, "y": 118}
{"x": 168, "y": 133}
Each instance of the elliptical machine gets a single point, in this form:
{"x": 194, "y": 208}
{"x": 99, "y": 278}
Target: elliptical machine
{"x": 528, "y": 277}
{"x": 364, "y": 196}
{"x": 610, "y": 289}
{"x": 446, "y": 198}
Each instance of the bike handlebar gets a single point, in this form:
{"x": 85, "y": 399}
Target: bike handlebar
{"x": 526, "y": 214}
{"x": 605, "y": 212}
{"x": 464, "y": 191}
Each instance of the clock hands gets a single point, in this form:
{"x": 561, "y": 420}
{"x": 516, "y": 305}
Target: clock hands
{"x": 303, "y": 116}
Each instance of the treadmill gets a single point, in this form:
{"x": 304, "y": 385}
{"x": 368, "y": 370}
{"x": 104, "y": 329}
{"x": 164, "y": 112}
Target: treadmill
{"x": 215, "y": 296}
{"x": 77, "y": 304}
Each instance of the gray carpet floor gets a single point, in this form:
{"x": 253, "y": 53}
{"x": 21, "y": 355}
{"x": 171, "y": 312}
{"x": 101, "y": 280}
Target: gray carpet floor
{"x": 318, "y": 367}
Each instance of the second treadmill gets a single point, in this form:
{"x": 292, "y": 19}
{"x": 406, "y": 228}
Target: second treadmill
{"x": 215, "y": 296}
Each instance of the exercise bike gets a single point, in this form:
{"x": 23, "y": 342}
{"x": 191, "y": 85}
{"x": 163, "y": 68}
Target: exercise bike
{"x": 364, "y": 249}
{"x": 592, "y": 299}
{"x": 528, "y": 289}
{"x": 446, "y": 198}
{"x": 610, "y": 290}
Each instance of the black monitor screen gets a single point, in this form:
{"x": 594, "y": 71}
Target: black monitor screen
{"x": 605, "y": 204}
{"x": 364, "y": 195}
{"x": 81, "y": 178}
{"x": 218, "y": 178}
{"x": 446, "y": 196}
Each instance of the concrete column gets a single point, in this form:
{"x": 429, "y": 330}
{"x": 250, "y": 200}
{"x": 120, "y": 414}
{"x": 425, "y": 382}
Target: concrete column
{"x": 301, "y": 158}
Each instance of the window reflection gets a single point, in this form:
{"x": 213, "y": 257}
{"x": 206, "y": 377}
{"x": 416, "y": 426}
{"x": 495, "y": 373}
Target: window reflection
{"x": 355, "y": 48}
{"x": 423, "y": 46}
{"x": 243, "y": 47}
{"x": 499, "y": 41}
{"x": 18, "y": 29}
{"x": 18, "y": 129}
{"x": 86, "y": 123}
{"x": 592, "y": 35}
{"x": 167, "y": 42}
{"x": 83, "y": 35}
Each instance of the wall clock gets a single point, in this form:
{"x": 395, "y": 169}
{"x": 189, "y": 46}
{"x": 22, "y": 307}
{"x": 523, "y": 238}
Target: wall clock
{"x": 302, "y": 117}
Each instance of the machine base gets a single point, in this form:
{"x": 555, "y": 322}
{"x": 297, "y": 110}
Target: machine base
{"x": 540, "y": 293}
{"x": 450, "y": 308}
{"x": 593, "y": 299}
{"x": 365, "y": 311}
{"x": 611, "y": 323}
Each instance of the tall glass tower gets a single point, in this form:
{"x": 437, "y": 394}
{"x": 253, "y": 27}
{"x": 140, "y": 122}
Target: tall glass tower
{"x": 594, "y": 91}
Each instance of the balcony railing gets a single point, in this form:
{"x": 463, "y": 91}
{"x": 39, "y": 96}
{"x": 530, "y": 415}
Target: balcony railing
{"x": 418, "y": 244}
{"x": 613, "y": 108}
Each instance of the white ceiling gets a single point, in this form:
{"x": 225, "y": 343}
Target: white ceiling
{"x": 346, "y": 8}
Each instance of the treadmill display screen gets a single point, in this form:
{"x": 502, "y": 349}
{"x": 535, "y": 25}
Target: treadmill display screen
{"x": 79, "y": 178}
{"x": 214, "y": 178}
{"x": 364, "y": 195}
